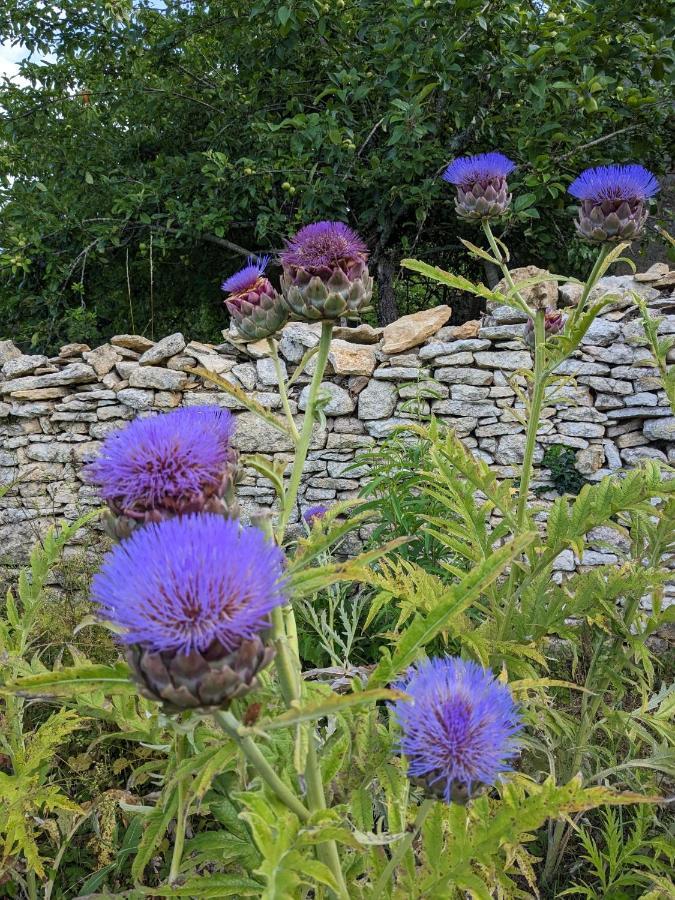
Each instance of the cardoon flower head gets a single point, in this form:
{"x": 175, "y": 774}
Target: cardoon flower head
{"x": 554, "y": 322}
{"x": 167, "y": 465}
{"x": 326, "y": 272}
{"x": 191, "y": 596}
{"x": 482, "y": 190}
{"x": 613, "y": 201}
{"x": 256, "y": 308}
{"x": 314, "y": 514}
{"x": 459, "y": 729}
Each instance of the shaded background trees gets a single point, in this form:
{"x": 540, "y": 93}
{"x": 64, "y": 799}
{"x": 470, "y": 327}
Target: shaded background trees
{"x": 157, "y": 144}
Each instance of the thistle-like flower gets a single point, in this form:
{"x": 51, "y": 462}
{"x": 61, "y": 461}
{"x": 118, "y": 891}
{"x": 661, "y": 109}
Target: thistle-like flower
{"x": 257, "y": 310}
{"x": 613, "y": 202}
{"x": 314, "y": 514}
{"x": 192, "y": 596}
{"x": 326, "y": 272}
{"x": 554, "y": 322}
{"x": 459, "y": 729}
{"x": 172, "y": 464}
{"x": 482, "y": 190}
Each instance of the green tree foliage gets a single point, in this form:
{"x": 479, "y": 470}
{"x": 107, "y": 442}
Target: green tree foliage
{"x": 158, "y": 141}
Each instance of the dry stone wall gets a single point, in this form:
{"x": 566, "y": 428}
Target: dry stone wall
{"x": 54, "y": 412}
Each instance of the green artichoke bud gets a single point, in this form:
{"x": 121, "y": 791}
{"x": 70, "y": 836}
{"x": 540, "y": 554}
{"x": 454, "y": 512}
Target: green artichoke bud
{"x": 257, "y": 310}
{"x": 203, "y": 681}
{"x": 326, "y": 273}
{"x": 614, "y": 201}
{"x": 482, "y": 189}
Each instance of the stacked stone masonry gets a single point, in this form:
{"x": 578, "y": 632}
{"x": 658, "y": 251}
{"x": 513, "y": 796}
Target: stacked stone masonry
{"x": 610, "y": 408}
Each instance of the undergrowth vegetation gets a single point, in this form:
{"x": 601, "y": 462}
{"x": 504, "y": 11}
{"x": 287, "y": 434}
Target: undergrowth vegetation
{"x": 446, "y": 716}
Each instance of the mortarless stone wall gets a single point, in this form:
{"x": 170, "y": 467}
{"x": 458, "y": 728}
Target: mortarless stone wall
{"x": 55, "y": 412}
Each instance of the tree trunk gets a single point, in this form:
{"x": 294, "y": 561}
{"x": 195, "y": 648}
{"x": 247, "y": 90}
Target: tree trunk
{"x": 387, "y": 310}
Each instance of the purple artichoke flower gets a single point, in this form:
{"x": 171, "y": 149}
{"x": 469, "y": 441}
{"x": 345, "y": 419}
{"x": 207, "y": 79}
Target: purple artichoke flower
{"x": 482, "y": 190}
{"x": 257, "y": 310}
{"x": 554, "y": 322}
{"x": 192, "y": 596}
{"x": 613, "y": 202}
{"x": 172, "y": 464}
{"x": 459, "y": 730}
{"x": 314, "y": 514}
{"x": 325, "y": 272}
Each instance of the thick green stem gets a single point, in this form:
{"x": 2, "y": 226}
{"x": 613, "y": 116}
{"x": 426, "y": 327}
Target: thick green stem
{"x": 230, "y": 726}
{"x": 284, "y": 627}
{"x": 283, "y": 393}
{"x": 534, "y": 412}
{"x": 538, "y": 391}
{"x": 501, "y": 261}
{"x": 180, "y": 745}
{"x": 590, "y": 284}
{"x": 327, "y": 851}
{"x": 287, "y": 667}
{"x": 291, "y": 495}
{"x": 401, "y": 849}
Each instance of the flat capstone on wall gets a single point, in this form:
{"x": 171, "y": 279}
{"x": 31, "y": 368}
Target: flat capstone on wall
{"x": 612, "y": 411}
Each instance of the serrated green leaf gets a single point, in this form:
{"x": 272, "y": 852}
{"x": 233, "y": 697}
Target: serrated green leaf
{"x": 330, "y": 706}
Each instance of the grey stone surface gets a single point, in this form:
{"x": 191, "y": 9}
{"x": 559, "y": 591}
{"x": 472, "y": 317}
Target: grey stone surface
{"x": 155, "y": 377}
{"x": 609, "y": 407}
{"x": 660, "y": 429}
{"x": 22, "y": 365}
{"x": 74, "y": 373}
{"x": 447, "y": 348}
{"x": 136, "y": 398}
{"x": 163, "y": 350}
{"x": 508, "y": 361}
{"x": 340, "y": 402}
{"x": 378, "y": 400}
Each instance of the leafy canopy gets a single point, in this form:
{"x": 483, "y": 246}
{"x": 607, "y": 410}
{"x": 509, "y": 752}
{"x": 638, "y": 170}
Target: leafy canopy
{"x": 158, "y": 139}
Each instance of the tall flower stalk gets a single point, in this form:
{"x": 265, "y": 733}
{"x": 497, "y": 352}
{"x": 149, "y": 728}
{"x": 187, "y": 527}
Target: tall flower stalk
{"x": 325, "y": 276}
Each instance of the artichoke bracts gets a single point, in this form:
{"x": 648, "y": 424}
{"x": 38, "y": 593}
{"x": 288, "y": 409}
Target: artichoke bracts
{"x": 482, "y": 190}
{"x": 192, "y": 598}
{"x": 169, "y": 465}
{"x": 256, "y": 308}
{"x": 201, "y": 681}
{"x": 325, "y": 273}
{"x": 613, "y": 202}
{"x": 554, "y": 322}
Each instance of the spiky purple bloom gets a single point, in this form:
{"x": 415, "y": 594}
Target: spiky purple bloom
{"x": 188, "y": 584}
{"x": 314, "y": 513}
{"x": 459, "y": 729}
{"x": 246, "y": 278}
{"x": 614, "y": 182}
{"x": 326, "y": 272}
{"x": 465, "y": 171}
{"x": 482, "y": 190}
{"x": 613, "y": 201}
{"x": 320, "y": 248}
{"x": 256, "y": 308}
{"x": 171, "y": 463}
